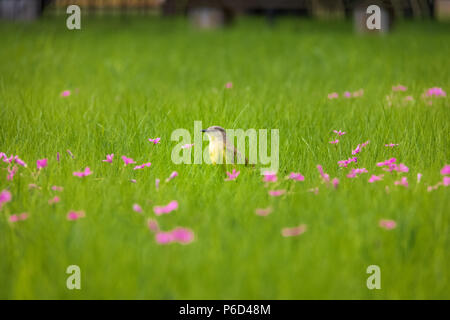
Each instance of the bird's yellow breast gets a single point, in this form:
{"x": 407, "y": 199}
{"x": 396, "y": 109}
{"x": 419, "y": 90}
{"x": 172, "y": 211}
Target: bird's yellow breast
{"x": 216, "y": 151}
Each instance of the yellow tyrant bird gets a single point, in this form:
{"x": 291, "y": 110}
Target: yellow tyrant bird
{"x": 221, "y": 150}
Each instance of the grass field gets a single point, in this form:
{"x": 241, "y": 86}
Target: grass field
{"x": 135, "y": 79}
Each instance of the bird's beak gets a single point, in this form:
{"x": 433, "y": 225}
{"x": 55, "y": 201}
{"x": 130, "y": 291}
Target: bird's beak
{"x": 204, "y": 130}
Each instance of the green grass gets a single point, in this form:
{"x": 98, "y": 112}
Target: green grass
{"x": 142, "y": 78}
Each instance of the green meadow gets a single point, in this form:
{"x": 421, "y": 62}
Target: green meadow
{"x": 132, "y": 79}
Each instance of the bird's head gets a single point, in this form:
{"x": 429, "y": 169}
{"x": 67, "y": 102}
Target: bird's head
{"x": 215, "y": 133}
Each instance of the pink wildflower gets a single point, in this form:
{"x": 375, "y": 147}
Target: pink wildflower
{"x": 296, "y": 176}
{"x": 333, "y": 95}
{"x": 276, "y": 193}
{"x": 87, "y": 171}
{"x": 232, "y": 175}
{"x": 137, "y": 208}
{"x": 154, "y": 141}
{"x": 75, "y": 215}
{"x": 263, "y": 212}
{"x": 41, "y": 163}
{"x": 325, "y": 177}
{"x": 387, "y": 224}
{"x": 270, "y": 176}
{"x": 402, "y": 182}
{"x": 446, "y": 169}
{"x": 399, "y": 88}
{"x": 374, "y": 178}
{"x": 296, "y": 231}
{"x": 159, "y": 210}
{"x": 172, "y": 176}
{"x": 109, "y": 158}
{"x": 127, "y": 161}
{"x": 339, "y": 133}
{"x": 148, "y": 164}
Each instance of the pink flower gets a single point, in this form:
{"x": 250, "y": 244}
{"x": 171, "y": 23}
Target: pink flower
{"x": 276, "y": 193}
{"x": 355, "y": 172}
{"x": 446, "y": 169}
{"x": 133, "y": 180}
{"x": 409, "y": 98}
{"x": 335, "y": 182}
{"x": 70, "y": 154}
{"x": 270, "y": 176}
{"x": 172, "y": 175}
{"x": 11, "y": 173}
{"x": 157, "y": 184}
{"x": 347, "y": 94}
{"x": 182, "y": 235}
{"x": 386, "y": 162}
{"x": 164, "y": 237}
{"x": 41, "y": 163}
{"x": 5, "y": 196}
{"x": 233, "y": 175}
{"x": 65, "y": 93}
{"x": 402, "y": 182}
{"x": 75, "y": 215}
{"x": 179, "y": 234}
{"x": 187, "y": 146}
{"x": 57, "y": 188}
{"x": 127, "y": 161}
{"x": 87, "y": 171}
{"x": 358, "y": 93}
{"x": 263, "y": 212}
{"x": 339, "y": 133}
{"x": 334, "y": 142}
{"x": 438, "y": 92}
{"x": 18, "y": 217}
{"x": 345, "y": 163}
{"x": 296, "y": 176}
{"x": 399, "y": 168}
{"x": 153, "y": 225}
{"x": 374, "y": 178}
{"x": 155, "y": 141}
{"x": 109, "y": 158}
{"x": 55, "y": 199}
{"x": 229, "y": 85}
{"x": 148, "y": 164}
{"x": 57, "y": 156}
{"x": 159, "y": 210}
{"x": 357, "y": 150}
{"x": 325, "y": 177}
{"x": 333, "y": 95}
{"x": 137, "y": 208}
{"x": 387, "y": 224}
{"x": 19, "y": 161}
{"x": 419, "y": 176}
{"x": 8, "y": 160}
{"x": 446, "y": 181}
{"x": 296, "y": 231}
{"x": 391, "y": 145}
{"x": 399, "y": 88}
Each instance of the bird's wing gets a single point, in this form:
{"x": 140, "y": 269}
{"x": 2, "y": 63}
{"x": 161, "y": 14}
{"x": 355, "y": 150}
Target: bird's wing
{"x": 233, "y": 155}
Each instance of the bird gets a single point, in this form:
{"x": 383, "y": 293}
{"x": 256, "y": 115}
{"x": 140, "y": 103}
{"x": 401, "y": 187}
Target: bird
{"x": 221, "y": 150}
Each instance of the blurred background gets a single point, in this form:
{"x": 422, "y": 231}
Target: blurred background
{"x": 207, "y": 14}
